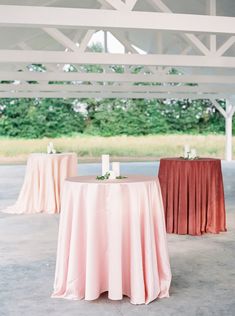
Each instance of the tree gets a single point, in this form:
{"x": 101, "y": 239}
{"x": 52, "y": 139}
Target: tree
{"x": 32, "y": 118}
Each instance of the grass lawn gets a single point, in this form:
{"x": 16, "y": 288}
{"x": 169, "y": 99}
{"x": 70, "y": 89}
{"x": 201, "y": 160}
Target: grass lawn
{"x": 89, "y": 148}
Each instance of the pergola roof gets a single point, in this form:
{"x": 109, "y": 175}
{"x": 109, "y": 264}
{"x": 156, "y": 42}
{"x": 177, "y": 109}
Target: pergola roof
{"x": 196, "y": 38}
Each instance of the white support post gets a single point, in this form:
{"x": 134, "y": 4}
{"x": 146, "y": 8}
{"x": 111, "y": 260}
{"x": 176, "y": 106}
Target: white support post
{"x": 212, "y": 38}
{"x": 105, "y": 42}
{"x": 228, "y": 130}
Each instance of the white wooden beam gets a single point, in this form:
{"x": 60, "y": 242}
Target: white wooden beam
{"x": 129, "y": 48}
{"x": 160, "y": 5}
{"x": 114, "y": 77}
{"x": 130, "y": 4}
{"x": 224, "y": 47}
{"x": 125, "y": 42}
{"x": 232, "y": 109}
{"x": 26, "y": 16}
{"x": 115, "y": 4}
{"x": 113, "y": 88}
{"x": 218, "y": 107}
{"x": 16, "y": 56}
{"x": 61, "y": 38}
{"x": 25, "y": 46}
{"x": 114, "y": 95}
{"x": 212, "y": 38}
{"x": 58, "y": 57}
{"x": 118, "y": 4}
{"x": 191, "y": 38}
{"x": 85, "y": 40}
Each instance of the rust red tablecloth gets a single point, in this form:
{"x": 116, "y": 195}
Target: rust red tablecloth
{"x": 193, "y": 195}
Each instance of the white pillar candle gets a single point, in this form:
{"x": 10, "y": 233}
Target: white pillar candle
{"x": 186, "y": 151}
{"x": 116, "y": 168}
{"x": 193, "y": 153}
{"x": 112, "y": 175}
{"x": 48, "y": 149}
{"x": 105, "y": 164}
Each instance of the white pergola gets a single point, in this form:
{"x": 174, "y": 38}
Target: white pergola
{"x": 195, "y": 38}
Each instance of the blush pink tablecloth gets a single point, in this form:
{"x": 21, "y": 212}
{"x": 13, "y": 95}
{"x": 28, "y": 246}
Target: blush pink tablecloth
{"x": 112, "y": 238}
{"x": 44, "y": 179}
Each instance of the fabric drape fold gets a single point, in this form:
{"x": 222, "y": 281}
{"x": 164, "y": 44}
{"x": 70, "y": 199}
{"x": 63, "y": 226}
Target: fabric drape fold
{"x": 112, "y": 238}
{"x": 43, "y": 183}
{"x": 193, "y": 195}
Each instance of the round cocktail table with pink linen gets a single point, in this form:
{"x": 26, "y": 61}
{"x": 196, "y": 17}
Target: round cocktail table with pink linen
{"x": 44, "y": 179}
{"x": 193, "y": 195}
{"x": 112, "y": 238}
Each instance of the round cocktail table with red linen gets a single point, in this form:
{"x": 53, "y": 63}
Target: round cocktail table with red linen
{"x": 43, "y": 182}
{"x": 193, "y": 195}
{"x": 112, "y": 238}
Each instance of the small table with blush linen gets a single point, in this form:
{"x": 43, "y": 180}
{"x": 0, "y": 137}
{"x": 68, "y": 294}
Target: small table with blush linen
{"x": 43, "y": 182}
{"x": 193, "y": 195}
{"x": 112, "y": 239}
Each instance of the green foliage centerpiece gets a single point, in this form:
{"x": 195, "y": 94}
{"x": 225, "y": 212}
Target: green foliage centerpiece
{"x": 107, "y": 175}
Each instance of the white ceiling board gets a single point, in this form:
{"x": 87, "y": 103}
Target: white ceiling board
{"x": 152, "y": 41}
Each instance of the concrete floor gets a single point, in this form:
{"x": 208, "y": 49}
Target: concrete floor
{"x": 203, "y": 267}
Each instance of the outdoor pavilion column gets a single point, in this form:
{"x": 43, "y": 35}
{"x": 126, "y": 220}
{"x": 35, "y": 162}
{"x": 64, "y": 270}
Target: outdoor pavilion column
{"x": 229, "y": 131}
{"x": 228, "y": 115}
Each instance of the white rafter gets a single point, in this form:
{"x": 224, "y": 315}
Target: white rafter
{"x": 124, "y": 42}
{"x": 26, "y": 16}
{"x": 159, "y": 5}
{"x": 129, "y": 48}
{"x": 122, "y": 95}
{"x": 232, "y": 111}
{"x": 191, "y": 38}
{"x": 206, "y": 89}
{"x": 61, "y": 38}
{"x": 115, "y": 77}
{"x": 117, "y": 16}
{"x": 118, "y": 4}
{"x": 130, "y": 4}
{"x": 85, "y": 40}
{"x": 25, "y": 46}
{"x": 115, "y": 4}
{"x": 224, "y": 47}
{"x": 58, "y": 57}
{"x": 218, "y": 107}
